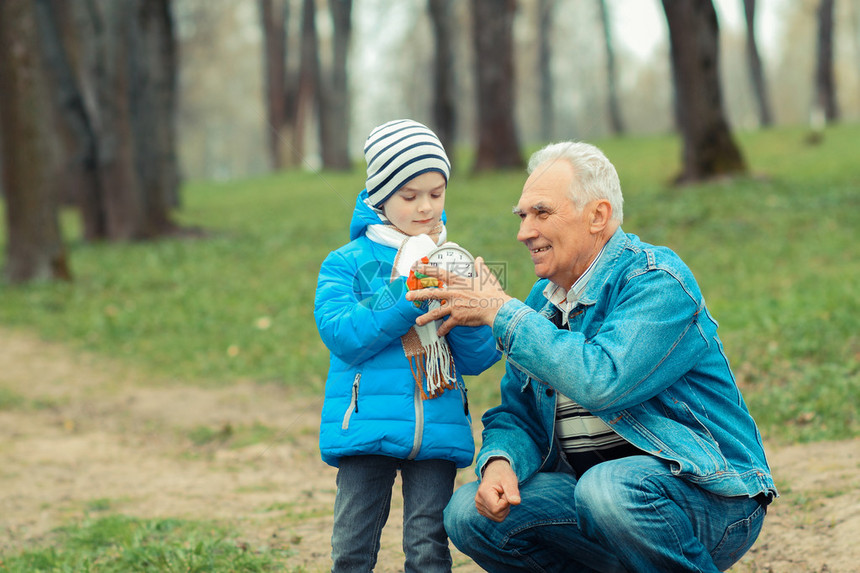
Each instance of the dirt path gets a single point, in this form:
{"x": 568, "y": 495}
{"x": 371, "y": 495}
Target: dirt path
{"x": 89, "y": 437}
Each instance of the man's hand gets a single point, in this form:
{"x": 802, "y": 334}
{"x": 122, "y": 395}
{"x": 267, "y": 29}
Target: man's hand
{"x": 468, "y": 301}
{"x": 498, "y": 491}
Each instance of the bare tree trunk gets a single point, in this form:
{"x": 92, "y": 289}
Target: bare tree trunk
{"x": 83, "y": 176}
{"x": 444, "y": 96}
{"x": 307, "y": 101}
{"x": 34, "y": 247}
{"x": 755, "y": 67}
{"x": 152, "y": 94}
{"x": 167, "y": 53}
{"x": 498, "y": 146}
{"x": 709, "y": 148}
{"x": 129, "y": 65}
{"x": 334, "y": 91}
{"x": 547, "y": 117}
{"x": 616, "y": 123}
{"x": 108, "y": 70}
{"x": 825, "y": 88}
{"x": 273, "y": 21}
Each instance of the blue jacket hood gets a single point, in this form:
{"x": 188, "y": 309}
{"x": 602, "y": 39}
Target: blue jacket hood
{"x": 363, "y": 216}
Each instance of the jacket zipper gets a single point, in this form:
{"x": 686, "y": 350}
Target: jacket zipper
{"x": 419, "y": 423}
{"x": 353, "y": 403}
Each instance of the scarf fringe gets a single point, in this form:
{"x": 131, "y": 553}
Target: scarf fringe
{"x": 435, "y": 365}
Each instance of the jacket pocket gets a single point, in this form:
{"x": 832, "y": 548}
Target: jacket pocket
{"x": 353, "y": 402}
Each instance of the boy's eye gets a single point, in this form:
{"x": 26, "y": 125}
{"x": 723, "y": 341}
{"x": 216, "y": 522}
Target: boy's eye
{"x": 408, "y": 197}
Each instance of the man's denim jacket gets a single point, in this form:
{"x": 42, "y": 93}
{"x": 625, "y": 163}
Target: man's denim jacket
{"x": 642, "y": 353}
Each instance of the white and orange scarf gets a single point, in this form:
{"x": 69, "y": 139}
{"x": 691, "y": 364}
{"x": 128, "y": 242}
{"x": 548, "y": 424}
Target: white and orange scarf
{"x": 428, "y": 353}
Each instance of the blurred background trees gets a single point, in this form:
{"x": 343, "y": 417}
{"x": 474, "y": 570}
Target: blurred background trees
{"x": 493, "y": 34}
{"x": 709, "y": 150}
{"x": 34, "y": 248}
{"x": 104, "y": 104}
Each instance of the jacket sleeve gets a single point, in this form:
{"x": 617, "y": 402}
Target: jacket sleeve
{"x": 514, "y": 429}
{"x": 353, "y": 329}
{"x": 648, "y": 340}
{"x": 473, "y": 348}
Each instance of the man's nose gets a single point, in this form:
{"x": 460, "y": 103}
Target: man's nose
{"x": 527, "y": 231}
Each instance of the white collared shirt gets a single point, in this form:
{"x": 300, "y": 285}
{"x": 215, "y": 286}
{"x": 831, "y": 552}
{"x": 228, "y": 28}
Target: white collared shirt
{"x": 578, "y": 430}
{"x": 566, "y": 301}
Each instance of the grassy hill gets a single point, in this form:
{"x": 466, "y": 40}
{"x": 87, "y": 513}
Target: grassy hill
{"x": 776, "y": 255}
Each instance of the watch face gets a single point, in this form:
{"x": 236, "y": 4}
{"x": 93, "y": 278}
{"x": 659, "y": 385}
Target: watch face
{"x": 453, "y": 258}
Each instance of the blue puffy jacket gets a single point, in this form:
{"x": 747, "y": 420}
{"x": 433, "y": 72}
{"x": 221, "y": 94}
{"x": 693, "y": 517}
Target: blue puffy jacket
{"x": 372, "y": 403}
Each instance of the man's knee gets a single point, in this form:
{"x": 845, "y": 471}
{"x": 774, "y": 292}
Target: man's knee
{"x": 605, "y": 495}
{"x": 611, "y": 495}
{"x": 460, "y": 514}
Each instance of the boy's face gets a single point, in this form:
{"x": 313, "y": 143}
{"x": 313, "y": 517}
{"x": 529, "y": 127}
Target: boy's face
{"x": 417, "y": 207}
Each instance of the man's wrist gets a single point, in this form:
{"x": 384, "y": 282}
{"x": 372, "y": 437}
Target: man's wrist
{"x": 493, "y": 309}
{"x": 492, "y": 459}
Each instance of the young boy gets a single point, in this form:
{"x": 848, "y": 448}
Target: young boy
{"x": 388, "y": 405}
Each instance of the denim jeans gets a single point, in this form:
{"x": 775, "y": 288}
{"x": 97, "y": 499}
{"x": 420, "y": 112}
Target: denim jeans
{"x": 630, "y": 514}
{"x": 364, "y": 499}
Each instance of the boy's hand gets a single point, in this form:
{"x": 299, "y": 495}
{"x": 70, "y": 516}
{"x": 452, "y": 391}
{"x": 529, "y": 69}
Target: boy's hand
{"x": 467, "y": 301}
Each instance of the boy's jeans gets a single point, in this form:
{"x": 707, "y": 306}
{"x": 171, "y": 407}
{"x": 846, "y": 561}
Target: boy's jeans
{"x": 630, "y": 514}
{"x": 362, "y": 504}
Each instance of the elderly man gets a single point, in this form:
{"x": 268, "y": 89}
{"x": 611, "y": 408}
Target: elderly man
{"x": 622, "y": 442}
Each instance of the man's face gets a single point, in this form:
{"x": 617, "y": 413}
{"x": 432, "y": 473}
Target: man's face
{"x": 557, "y": 234}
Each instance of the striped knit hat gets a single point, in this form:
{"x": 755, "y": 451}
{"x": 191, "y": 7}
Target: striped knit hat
{"x": 398, "y": 151}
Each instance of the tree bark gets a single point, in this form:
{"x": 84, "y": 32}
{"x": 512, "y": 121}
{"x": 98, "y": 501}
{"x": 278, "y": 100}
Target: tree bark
{"x": 273, "y": 21}
{"x": 334, "y": 92}
{"x": 547, "y": 115}
{"x": 307, "y": 100}
{"x": 128, "y": 63}
{"x": 616, "y": 122}
{"x": 34, "y": 247}
{"x": 755, "y": 67}
{"x": 153, "y": 109}
{"x": 498, "y": 145}
{"x": 825, "y": 85}
{"x": 709, "y": 148}
{"x": 153, "y": 95}
{"x": 444, "y": 66}
{"x": 111, "y": 76}
{"x": 83, "y": 177}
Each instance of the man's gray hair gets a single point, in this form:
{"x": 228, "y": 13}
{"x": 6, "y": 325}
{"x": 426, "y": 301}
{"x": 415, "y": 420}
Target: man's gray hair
{"x": 594, "y": 175}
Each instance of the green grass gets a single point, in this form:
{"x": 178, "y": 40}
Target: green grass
{"x": 776, "y": 255}
{"x": 120, "y": 544}
{"x": 235, "y": 437}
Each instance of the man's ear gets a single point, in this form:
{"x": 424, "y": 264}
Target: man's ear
{"x": 600, "y": 216}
